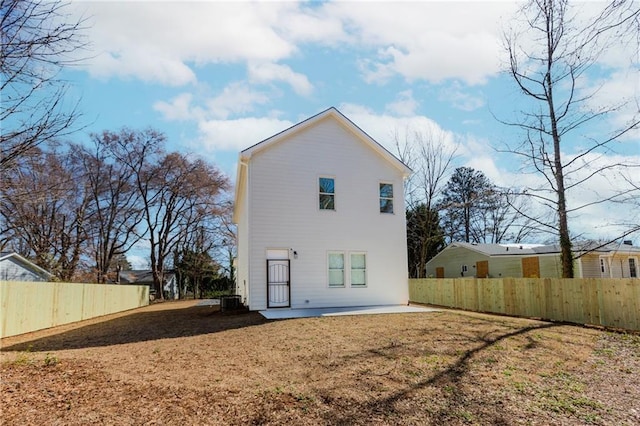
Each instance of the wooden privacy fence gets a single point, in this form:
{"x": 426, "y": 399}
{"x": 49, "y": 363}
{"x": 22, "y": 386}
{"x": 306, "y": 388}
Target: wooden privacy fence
{"x": 30, "y": 306}
{"x": 606, "y": 302}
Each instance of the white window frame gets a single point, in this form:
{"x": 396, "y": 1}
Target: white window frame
{"x": 344, "y": 269}
{"x": 366, "y": 278}
{"x": 326, "y": 193}
{"x": 605, "y": 268}
{"x": 635, "y": 266}
{"x": 380, "y": 197}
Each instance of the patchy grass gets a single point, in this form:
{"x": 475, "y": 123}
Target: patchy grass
{"x": 175, "y": 363}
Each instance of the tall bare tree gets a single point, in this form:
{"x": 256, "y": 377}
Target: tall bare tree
{"x": 175, "y": 193}
{"x": 44, "y": 206}
{"x": 427, "y": 153}
{"x": 115, "y": 204}
{"x": 499, "y": 218}
{"x": 551, "y": 54}
{"x": 38, "y": 40}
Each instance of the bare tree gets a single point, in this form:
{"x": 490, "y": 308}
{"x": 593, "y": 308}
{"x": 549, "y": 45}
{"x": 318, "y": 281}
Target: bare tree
{"x": 38, "y": 39}
{"x": 428, "y": 155}
{"x": 175, "y": 192}
{"x": 499, "y": 218}
{"x": 183, "y": 192}
{"x": 115, "y": 203}
{"x": 550, "y": 57}
{"x": 44, "y": 206}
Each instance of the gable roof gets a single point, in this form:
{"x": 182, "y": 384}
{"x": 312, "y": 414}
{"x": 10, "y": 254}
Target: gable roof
{"x": 312, "y": 121}
{"x": 141, "y": 276}
{"x": 332, "y": 112}
{"x": 27, "y": 264}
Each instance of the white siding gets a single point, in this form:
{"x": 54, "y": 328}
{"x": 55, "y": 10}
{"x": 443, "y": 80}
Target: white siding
{"x": 10, "y": 270}
{"x": 283, "y": 205}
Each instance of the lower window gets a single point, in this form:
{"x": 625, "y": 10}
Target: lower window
{"x": 358, "y": 269}
{"x": 347, "y": 267}
{"x": 336, "y": 269}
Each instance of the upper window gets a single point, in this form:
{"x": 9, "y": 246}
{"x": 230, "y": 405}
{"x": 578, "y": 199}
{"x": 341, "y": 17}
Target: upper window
{"x": 336, "y": 269}
{"x": 386, "y": 198}
{"x": 633, "y": 272}
{"x": 358, "y": 270}
{"x": 327, "y": 193}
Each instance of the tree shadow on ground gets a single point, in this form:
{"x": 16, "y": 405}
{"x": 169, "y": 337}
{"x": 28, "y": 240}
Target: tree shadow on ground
{"x": 450, "y": 378}
{"x": 140, "y": 326}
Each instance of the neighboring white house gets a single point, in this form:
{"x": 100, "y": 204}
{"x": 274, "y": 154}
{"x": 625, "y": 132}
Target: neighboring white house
{"x": 591, "y": 260}
{"x": 14, "y": 267}
{"x": 321, "y": 219}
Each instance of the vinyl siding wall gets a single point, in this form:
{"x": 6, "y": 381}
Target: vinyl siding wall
{"x": 11, "y": 270}
{"x": 284, "y": 213}
{"x": 590, "y": 266}
{"x": 453, "y": 258}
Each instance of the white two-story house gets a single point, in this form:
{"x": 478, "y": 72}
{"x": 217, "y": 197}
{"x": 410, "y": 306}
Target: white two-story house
{"x": 321, "y": 219}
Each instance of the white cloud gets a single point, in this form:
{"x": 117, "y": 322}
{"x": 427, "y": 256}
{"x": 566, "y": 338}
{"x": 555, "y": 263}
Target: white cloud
{"x": 387, "y": 128}
{"x": 430, "y": 41}
{"x": 178, "y": 109}
{"x": 138, "y": 261}
{"x": 478, "y": 154}
{"x": 619, "y": 89}
{"x": 460, "y": 97}
{"x": 240, "y": 133}
{"x": 236, "y": 98}
{"x": 418, "y": 40}
{"x": 404, "y": 105}
{"x": 268, "y": 72}
{"x": 592, "y": 219}
{"x": 155, "y": 42}
{"x": 312, "y": 24}
{"x": 142, "y": 63}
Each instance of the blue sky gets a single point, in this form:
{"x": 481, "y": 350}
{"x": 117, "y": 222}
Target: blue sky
{"x": 218, "y": 77}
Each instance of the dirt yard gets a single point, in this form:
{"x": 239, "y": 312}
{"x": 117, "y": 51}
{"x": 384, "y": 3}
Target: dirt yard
{"x": 177, "y": 363}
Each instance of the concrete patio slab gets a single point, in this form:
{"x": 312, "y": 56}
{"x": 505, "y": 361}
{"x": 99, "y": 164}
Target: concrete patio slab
{"x": 287, "y": 313}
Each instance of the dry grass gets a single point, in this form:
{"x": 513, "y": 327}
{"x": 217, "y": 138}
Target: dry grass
{"x": 175, "y": 363}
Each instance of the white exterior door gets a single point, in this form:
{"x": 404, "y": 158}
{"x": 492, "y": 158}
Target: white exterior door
{"x": 278, "y": 279}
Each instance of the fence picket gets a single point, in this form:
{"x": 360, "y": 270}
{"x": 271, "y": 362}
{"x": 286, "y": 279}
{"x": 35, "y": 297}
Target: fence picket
{"x": 608, "y": 302}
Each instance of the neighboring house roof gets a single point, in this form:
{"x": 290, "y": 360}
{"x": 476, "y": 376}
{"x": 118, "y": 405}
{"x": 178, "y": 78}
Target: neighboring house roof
{"x": 142, "y": 276}
{"x": 579, "y": 247}
{"x": 26, "y": 264}
{"x": 332, "y": 112}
